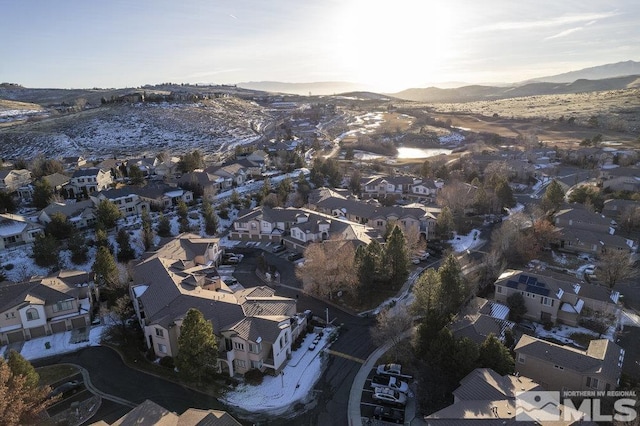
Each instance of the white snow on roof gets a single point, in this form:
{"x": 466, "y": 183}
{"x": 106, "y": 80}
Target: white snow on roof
{"x": 10, "y": 328}
{"x": 139, "y": 290}
{"x": 177, "y": 193}
{"x": 568, "y": 307}
{"x": 12, "y": 229}
{"x": 499, "y": 311}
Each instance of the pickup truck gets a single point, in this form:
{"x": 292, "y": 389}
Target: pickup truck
{"x": 389, "y": 382}
{"x": 389, "y": 369}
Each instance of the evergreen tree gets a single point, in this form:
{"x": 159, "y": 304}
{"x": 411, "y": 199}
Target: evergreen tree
{"x": 42, "y": 194}
{"x": 505, "y": 194}
{"x": 197, "y": 347}
{"x": 354, "y": 182}
{"x": 553, "y": 196}
{"x": 453, "y": 290}
{"x": 235, "y": 198}
{"x": 125, "y": 251}
{"x": 464, "y": 358}
{"x": 59, "y": 228}
{"x": 102, "y": 239}
{"x": 493, "y": 354}
{"x": 444, "y": 223}
{"x": 396, "y": 258}
{"x": 21, "y": 367}
{"x": 517, "y": 307}
{"x": 107, "y": 214}
{"x": 285, "y": 187}
{"x": 427, "y": 292}
{"x": 164, "y": 227}
{"x": 21, "y": 402}
{"x": 77, "y": 244}
{"x": 136, "y": 175}
{"x": 210, "y": 218}
{"x": 46, "y": 250}
{"x": 368, "y": 265}
{"x": 183, "y": 217}
{"x": 7, "y": 204}
{"x": 147, "y": 230}
{"x": 105, "y": 269}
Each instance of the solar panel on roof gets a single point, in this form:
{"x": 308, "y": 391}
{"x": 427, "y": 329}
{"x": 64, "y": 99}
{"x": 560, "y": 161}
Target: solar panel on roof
{"x": 538, "y": 290}
{"x": 523, "y": 278}
{"x": 512, "y": 284}
{"x": 532, "y": 281}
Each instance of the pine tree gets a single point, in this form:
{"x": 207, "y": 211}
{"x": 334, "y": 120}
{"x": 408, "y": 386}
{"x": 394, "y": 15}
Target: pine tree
{"x": 20, "y": 366}
{"x": 107, "y": 214}
{"x": 505, "y": 194}
{"x": 396, "y": 258}
{"x": 46, "y": 250}
{"x": 164, "y": 227}
{"x": 183, "y": 217}
{"x": 136, "y": 175}
{"x": 453, "y": 291}
{"x": 210, "y": 218}
{"x": 125, "y": 251}
{"x": 553, "y": 196}
{"x": 147, "y": 230}
{"x": 444, "y": 223}
{"x": 105, "y": 269}
{"x": 197, "y": 347}
{"x": 42, "y": 194}
{"x": 493, "y": 354}
{"x": 77, "y": 244}
{"x": 58, "y": 227}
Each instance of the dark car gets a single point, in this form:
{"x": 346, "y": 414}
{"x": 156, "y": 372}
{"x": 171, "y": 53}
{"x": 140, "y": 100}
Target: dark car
{"x": 388, "y": 414}
{"x": 67, "y": 388}
{"x": 295, "y": 256}
{"x": 279, "y": 248}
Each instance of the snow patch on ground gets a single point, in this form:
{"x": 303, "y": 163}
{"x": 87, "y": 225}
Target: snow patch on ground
{"x": 277, "y": 394}
{"x": 59, "y": 343}
{"x": 461, "y": 243}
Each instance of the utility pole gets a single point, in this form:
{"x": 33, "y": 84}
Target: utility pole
{"x": 327, "y": 312}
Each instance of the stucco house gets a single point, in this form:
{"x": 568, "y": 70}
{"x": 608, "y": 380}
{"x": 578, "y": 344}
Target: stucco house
{"x": 12, "y": 180}
{"x": 552, "y": 297}
{"x": 81, "y": 214}
{"x": 559, "y": 368}
{"x": 621, "y": 179}
{"x": 255, "y": 328}
{"x": 44, "y": 306}
{"x": 126, "y": 199}
{"x": 88, "y": 181}
{"x": 16, "y": 230}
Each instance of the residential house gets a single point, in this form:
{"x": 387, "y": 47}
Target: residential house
{"x": 201, "y": 183}
{"x": 255, "y": 327}
{"x": 568, "y": 177}
{"x": 296, "y": 228}
{"x": 260, "y": 158}
{"x": 149, "y": 413}
{"x": 44, "y": 306}
{"x": 12, "y": 180}
{"x": 386, "y": 186}
{"x": 616, "y": 208}
{"x": 81, "y": 214}
{"x": 168, "y": 168}
{"x": 621, "y": 179}
{"x": 233, "y": 174}
{"x": 16, "y": 230}
{"x": 146, "y": 165}
{"x": 412, "y": 218}
{"x": 73, "y": 163}
{"x": 252, "y": 169}
{"x": 551, "y": 297}
{"x": 557, "y": 367}
{"x": 56, "y": 181}
{"x": 481, "y": 318}
{"x": 87, "y": 181}
{"x": 162, "y": 197}
{"x": 486, "y": 398}
{"x": 426, "y": 189}
{"x": 126, "y": 199}
{"x": 580, "y": 218}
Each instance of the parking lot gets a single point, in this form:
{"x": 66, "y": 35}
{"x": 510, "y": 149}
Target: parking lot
{"x": 368, "y": 404}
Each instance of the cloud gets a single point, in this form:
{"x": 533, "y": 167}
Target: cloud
{"x": 545, "y": 23}
{"x": 564, "y": 33}
{"x": 233, "y": 16}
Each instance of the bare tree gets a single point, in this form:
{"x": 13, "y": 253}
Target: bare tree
{"x": 391, "y": 323}
{"x": 328, "y": 268}
{"x": 615, "y": 266}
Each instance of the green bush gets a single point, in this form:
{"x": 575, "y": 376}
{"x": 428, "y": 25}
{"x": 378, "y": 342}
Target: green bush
{"x": 167, "y": 362}
{"x": 253, "y": 376}
{"x": 8, "y": 266}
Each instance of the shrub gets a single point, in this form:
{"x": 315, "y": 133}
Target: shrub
{"x": 167, "y": 362}
{"x": 8, "y": 266}
{"x": 253, "y": 376}
{"x": 548, "y": 325}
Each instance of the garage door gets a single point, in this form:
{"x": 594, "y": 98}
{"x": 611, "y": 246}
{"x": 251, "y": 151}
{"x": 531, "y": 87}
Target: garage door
{"x": 15, "y": 336}
{"x": 78, "y": 322}
{"x": 58, "y": 327}
{"x": 38, "y": 332}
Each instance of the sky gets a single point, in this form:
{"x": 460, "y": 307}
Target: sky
{"x": 388, "y": 45}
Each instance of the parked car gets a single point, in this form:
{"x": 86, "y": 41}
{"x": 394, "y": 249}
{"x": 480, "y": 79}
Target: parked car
{"x": 422, "y": 255}
{"x": 415, "y": 260}
{"x": 388, "y": 414}
{"x": 233, "y": 260}
{"x": 526, "y": 326}
{"x": 390, "y": 396}
{"x": 279, "y": 248}
{"x": 66, "y": 388}
{"x": 389, "y": 369}
{"x": 389, "y": 382}
{"x": 294, "y": 256}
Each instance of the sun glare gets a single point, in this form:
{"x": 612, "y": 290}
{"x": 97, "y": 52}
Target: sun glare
{"x": 393, "y": 45}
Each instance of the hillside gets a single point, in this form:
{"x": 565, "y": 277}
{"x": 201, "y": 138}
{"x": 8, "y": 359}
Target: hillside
{"x": 599, "y": 72}
{"x": 137, "y": 128}
{"x": 304, "y": 89}
{"x": 489, "y": 93}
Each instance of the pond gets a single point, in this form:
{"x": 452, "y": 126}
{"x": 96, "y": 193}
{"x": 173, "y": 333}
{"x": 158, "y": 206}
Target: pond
{"x": 404, "y": 152}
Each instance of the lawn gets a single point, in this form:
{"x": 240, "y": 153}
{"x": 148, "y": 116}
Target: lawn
{"x": 54, "y": 373}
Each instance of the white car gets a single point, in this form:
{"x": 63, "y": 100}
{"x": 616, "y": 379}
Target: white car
{"x": 389, "y": 369}
{"x": 390, "y": 396}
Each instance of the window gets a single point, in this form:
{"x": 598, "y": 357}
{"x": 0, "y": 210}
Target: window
{"x": 10, "y": 315}
{"x": 162, "y": 348}
{"x": 559, "y": 367}
{"x": 379, "y": 223}
{"x": 499, "y": 289}
{"x": 239, "y": 363}
{"x": 521, "y": 358}
{"x": 32, "y": 314}
{"x": 255, "y": 348}
{"x": 592, "y": 383}
{"x": 256, "y": 364}
{"x": 159, "y": 332}
{"x": 238, "y": 346}
{"x": 546, "y": 301}
{"x": 63, "y": 305}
